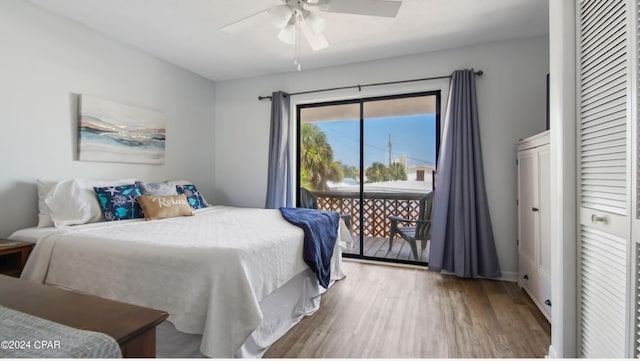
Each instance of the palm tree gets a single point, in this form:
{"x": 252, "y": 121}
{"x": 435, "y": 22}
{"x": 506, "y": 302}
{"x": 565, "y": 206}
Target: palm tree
{"x": 397, "y": 171}
{"x": 350, "y": 171}
{"x": 377, "y": 172}
{"x": 316, "y": 159}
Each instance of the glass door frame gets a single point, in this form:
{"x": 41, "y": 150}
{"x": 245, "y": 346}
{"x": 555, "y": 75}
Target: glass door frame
{"x": 361, "y": 102}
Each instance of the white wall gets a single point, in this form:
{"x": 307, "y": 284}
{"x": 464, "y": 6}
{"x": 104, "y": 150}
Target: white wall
{"x": 45, "y": 60}
{"x": 511, "y": 98}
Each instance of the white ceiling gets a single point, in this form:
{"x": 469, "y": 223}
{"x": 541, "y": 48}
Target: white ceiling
{"x": 185, "y": 32}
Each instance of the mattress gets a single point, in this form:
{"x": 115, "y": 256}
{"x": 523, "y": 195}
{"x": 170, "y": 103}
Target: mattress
{"x": 209, "y": 271}
{"x": 31, "y": 235}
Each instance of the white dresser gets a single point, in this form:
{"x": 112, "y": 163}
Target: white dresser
{"x": 534, "y": 251}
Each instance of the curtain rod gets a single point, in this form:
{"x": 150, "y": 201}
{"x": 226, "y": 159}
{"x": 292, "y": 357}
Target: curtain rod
{"x": 360, "y": 86}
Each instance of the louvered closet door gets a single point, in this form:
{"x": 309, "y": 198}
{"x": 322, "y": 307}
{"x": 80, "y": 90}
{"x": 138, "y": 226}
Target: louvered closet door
{"x": 636, "y": 303}
{"x": 634, "y": 349}
{"x": 604, "y": 196}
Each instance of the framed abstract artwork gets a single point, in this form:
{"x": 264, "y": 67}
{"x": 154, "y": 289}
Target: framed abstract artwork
{"x": 114, "y": 132}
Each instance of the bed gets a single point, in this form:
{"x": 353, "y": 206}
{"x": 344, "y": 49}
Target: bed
{"x": 27, "y": 336}
{"x": 236, "y": 276}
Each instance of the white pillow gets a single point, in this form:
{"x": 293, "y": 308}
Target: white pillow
{"x": 44, "y": 187}
{"x": 166, "y": 188}
{"x": 73, "y": 201}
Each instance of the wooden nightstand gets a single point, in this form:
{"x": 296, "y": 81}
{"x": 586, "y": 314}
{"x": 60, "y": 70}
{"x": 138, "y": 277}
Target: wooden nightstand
{"x": 13, "y": 256}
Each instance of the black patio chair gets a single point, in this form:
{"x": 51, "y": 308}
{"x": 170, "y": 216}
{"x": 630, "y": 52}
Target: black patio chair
{"x": 414, "y": 230}
{"x": 309, "y": 200}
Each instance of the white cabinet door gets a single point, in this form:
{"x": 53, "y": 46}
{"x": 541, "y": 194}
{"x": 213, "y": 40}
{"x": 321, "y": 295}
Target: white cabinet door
{"x": 543, "y": 265}
{"x": 527, "y": 227}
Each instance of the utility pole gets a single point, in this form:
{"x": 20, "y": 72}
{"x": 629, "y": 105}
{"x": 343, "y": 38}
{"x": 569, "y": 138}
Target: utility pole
{"x": 390, "y": 145}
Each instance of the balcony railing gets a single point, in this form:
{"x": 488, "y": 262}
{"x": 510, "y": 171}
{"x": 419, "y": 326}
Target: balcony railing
{"x": 377, "y": 208}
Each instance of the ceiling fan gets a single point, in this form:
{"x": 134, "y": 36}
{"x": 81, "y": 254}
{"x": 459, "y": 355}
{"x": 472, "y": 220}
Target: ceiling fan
{"x": 299, "y": 16}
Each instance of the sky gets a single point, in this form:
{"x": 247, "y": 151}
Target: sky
{"x": 413, "y": 136}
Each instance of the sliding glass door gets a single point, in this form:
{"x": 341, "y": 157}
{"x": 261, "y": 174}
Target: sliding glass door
{"x": 372, "y": 160}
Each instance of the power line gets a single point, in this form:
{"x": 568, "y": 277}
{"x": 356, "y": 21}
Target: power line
{"x": 384, "y": 149}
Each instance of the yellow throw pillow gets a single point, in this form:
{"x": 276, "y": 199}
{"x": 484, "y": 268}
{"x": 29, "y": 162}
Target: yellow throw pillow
{"x": 158, "y": 207}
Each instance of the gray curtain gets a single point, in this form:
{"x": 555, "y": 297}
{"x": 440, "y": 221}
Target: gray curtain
{"x": 461, "y": 235}
{"x": 279, "y": 187}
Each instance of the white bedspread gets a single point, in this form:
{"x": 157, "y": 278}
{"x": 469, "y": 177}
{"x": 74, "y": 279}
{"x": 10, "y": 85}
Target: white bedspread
{"x": 208, "y": 271}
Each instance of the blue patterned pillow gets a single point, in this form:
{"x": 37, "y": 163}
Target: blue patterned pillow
{"x": 193, "y": 196}
{"x": 119, "y": 202}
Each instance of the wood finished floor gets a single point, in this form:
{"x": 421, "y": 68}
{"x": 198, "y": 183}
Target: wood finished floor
{"x": 394, "y": 312}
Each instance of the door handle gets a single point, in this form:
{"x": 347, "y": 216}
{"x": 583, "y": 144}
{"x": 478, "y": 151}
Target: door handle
{"x": 596, "y": 219}
{"x": 534, "y": 209}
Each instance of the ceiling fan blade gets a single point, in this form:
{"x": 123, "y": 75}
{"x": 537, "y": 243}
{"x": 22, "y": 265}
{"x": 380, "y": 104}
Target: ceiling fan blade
{"x": 246, "y": 22}
{"x": 316, "y": 41}
{"x": 280, "y": 15}
{"x": 383, "y": 8}
{"x": 288, "y": 35}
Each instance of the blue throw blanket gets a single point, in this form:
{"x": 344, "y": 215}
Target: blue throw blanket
{"x": 320, "y": 233}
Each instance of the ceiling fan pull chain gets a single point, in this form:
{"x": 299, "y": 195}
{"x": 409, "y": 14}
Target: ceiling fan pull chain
{"x": 298, "y": 16}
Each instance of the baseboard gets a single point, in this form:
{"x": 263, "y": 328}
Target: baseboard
{"x": 506, "y": 276}
{"x": 509, "y": 276}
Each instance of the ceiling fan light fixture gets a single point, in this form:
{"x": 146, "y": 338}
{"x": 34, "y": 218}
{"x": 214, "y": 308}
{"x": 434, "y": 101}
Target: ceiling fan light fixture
{"x": 280, "y": 15}
{"x": 316, "y": 23}
{"x": 288, "y": 35}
